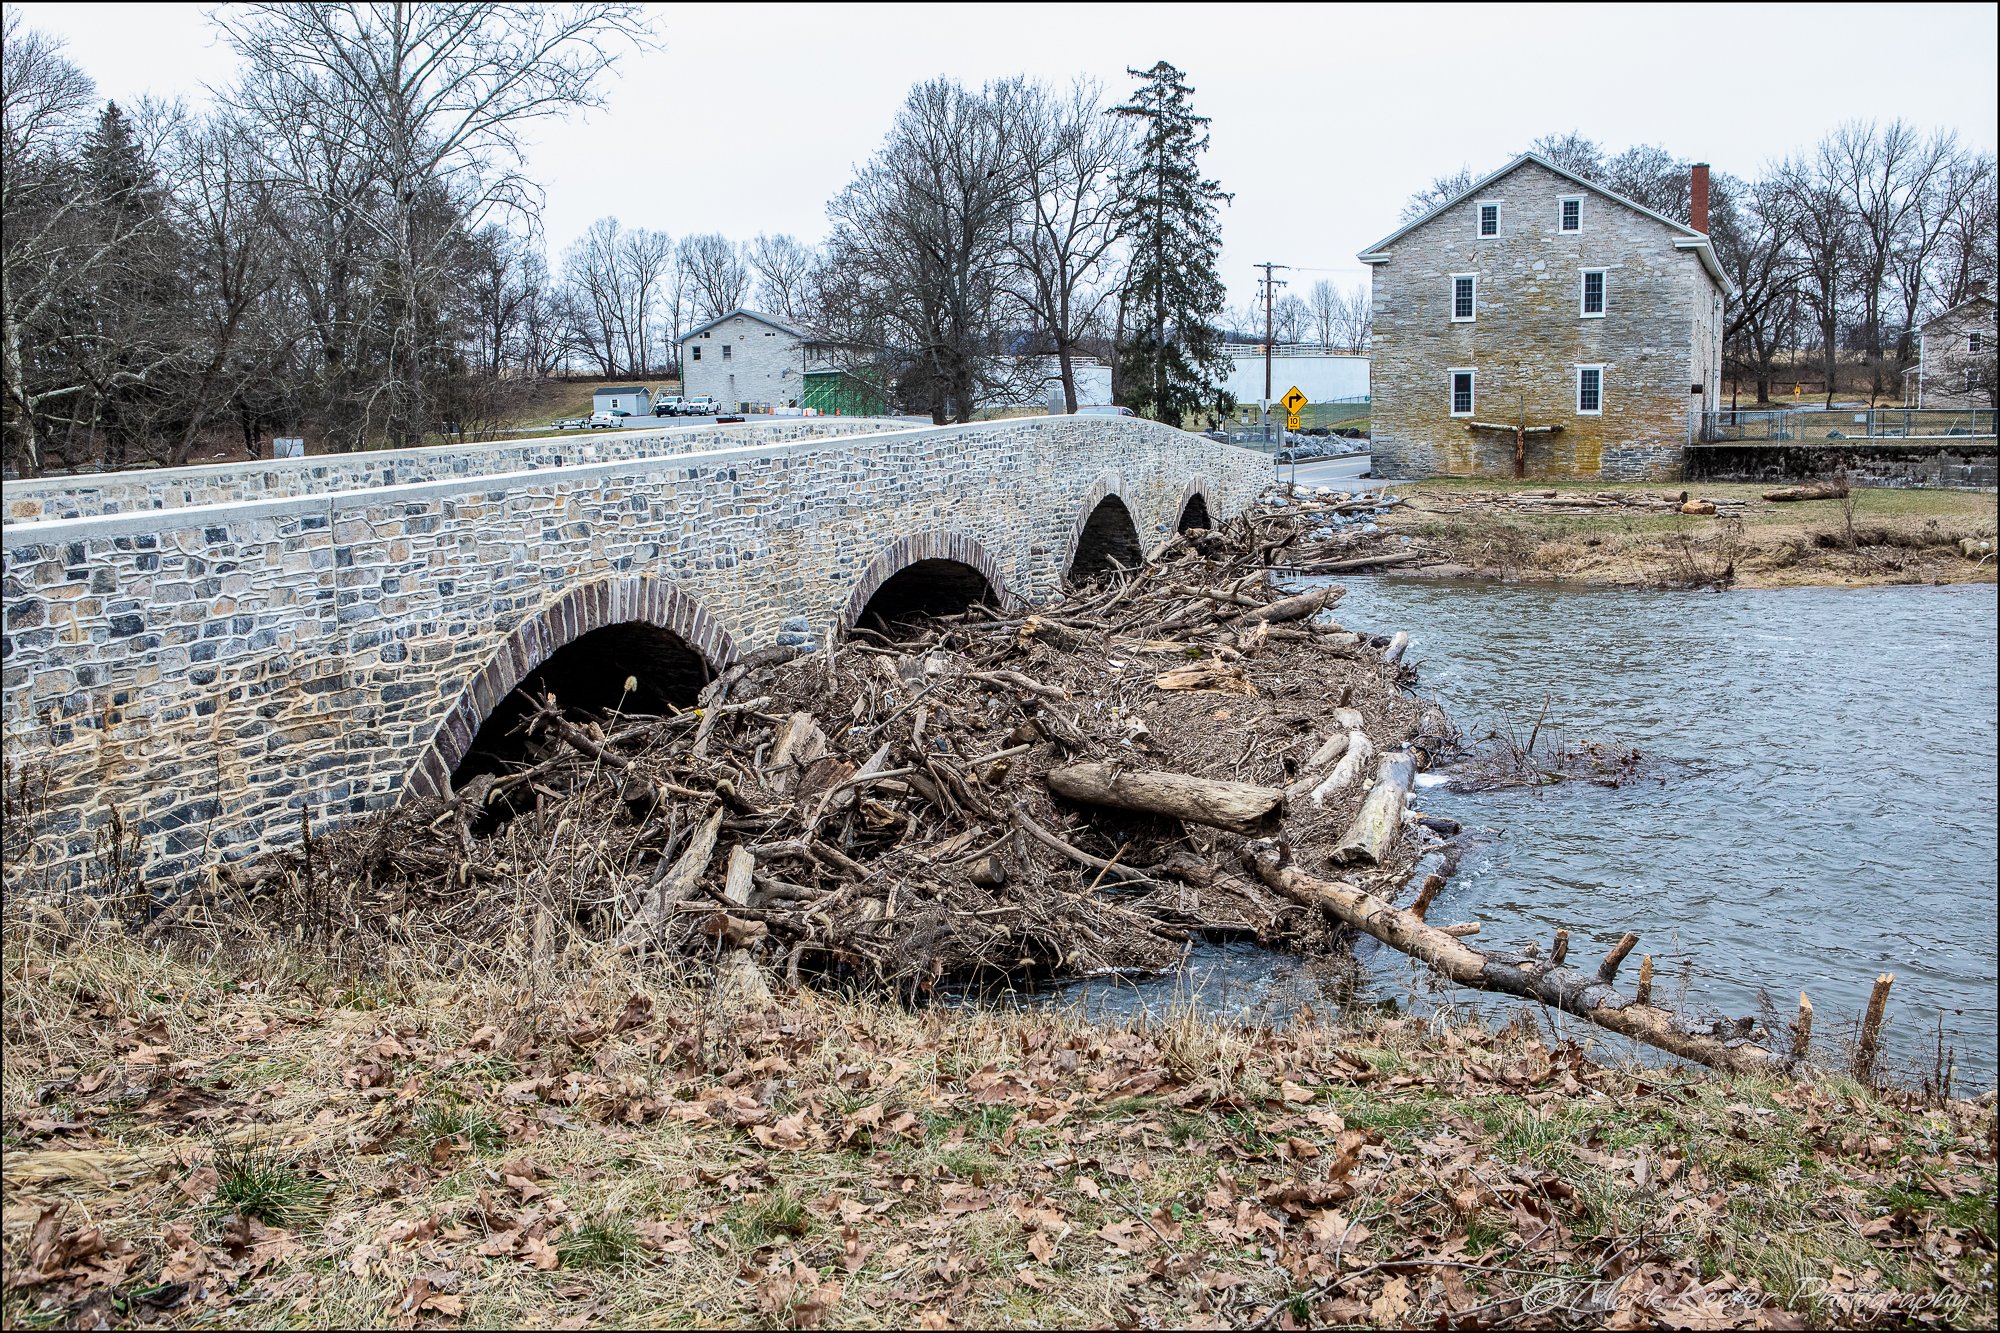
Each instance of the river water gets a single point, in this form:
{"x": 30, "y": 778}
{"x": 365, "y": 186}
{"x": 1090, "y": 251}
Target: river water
{"x": 1818, "y": 803}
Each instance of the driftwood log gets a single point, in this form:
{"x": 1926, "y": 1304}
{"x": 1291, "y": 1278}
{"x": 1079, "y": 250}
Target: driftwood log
{"x": 1357, "y": 562}
{"x": 1354, "y": 762}
{"x": 681, "y": 879}
{"x": 1815, "y": 490}
{"x": 1235, "y": 806}
{"x": 1296, "y": 608}
{"x": 1373, "y": 833}
{"x": 1588, "y": 995}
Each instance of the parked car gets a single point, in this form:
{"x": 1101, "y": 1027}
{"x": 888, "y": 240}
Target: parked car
{"x": 573, "y": 423}
{"x": 608, "y": 420}
{"x": 1106, "y": 410}
{"x": 704, "y": 406}
{"x": 667, "y": 405}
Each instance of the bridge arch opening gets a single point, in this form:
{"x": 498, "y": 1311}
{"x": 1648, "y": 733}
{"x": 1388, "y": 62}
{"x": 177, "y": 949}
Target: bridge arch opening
{"x": 929, "y": 574}
{"x": 1194, "y": 514}
{"x": 927, "y": 588}
{"x": 588, "y": 677}
{"x": 1109, "y": 535}
{"x": 581, "y": 647}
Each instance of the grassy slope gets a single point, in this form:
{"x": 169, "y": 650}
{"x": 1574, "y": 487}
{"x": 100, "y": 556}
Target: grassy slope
{"x": 535, "y": 1145}
{"x": 554, "y": 400}
{"x": 1903, "y": 536}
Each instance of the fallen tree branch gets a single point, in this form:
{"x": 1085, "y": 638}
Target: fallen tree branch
{"x": 1573, "y": 991}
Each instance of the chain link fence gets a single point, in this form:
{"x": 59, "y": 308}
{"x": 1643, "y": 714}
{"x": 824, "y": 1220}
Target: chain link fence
{"x": 1791, "y": 425}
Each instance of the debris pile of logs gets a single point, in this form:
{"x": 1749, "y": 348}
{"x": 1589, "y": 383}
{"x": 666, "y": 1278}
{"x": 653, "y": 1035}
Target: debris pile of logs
{"x": 1183, "y": 750}
{"x": 1025, "y": 795}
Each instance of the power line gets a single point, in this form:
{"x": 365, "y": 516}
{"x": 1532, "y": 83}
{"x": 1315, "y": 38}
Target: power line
{"x": 1271, "y": 285}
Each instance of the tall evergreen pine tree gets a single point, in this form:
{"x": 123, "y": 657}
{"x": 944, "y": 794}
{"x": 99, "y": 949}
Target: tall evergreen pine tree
{"x": 1172, "y": 360}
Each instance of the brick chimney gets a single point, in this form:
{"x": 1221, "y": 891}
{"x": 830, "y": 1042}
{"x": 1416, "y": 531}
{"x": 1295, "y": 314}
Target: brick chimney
{"x": 1698, "y": 197}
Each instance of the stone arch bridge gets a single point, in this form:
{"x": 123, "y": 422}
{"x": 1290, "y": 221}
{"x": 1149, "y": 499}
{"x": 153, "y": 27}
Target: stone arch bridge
{"x": 194, "y": 657}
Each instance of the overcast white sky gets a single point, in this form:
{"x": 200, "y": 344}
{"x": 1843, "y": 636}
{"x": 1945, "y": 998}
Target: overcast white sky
{"x": 1326, "y": 117}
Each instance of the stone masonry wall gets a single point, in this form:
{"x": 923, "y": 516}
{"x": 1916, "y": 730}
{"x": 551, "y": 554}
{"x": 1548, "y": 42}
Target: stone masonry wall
{"x": 764, "y": 365}
{"x": 1957, "y": 465}
{"x": 221, "y": 483}
{"x": 1529, "y": 337}
{"x": 203, "y": 675}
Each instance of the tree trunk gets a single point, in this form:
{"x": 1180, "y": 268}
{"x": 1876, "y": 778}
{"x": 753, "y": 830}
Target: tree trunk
{"x": 17, "y": 385}
{"x": 1297, "y": 608}
{"x": 1372, "y": 835}
{"x": 1235, "y": 806}
{"x": 1586, "y": 995}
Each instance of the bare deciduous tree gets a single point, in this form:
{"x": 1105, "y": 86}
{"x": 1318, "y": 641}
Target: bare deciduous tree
{"x": 1289, "y": 319}
{"x": 716, "y": 277}
{"x": 426, "y": 104}
{"x": 1323, "y": 301}
{"x": 643, "y": 264}
{"x": 922, "y": 238}
{"x": 784, "y": 267}
{"x": 44, "y": 246}
{"x": 1066, "y": 233}
{"x": 1354, "y": 319}
{"x": 1442, "y": 190}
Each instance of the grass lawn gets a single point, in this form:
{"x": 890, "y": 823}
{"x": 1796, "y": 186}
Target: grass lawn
{"x": 265, "y": 1135}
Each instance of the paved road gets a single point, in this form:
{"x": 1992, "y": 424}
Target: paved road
{"x": 1342, "y": 474}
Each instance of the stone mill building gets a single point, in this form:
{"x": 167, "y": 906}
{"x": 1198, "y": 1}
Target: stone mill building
{"x": 1540, "y": 325}
{"x": 745, "y": 361}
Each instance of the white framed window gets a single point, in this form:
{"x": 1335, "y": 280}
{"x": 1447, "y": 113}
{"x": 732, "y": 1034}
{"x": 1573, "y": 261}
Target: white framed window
{"x": 1591, "y": 294}
{"x": 1569, "y": 213}
{"x": 1462, "y": 384}
{"x": 1589, "y": 391}
{"x": 1464, "y": 297}
{"x": 1486, "y": 214}
{"x": 1973, "y": 342}
{"x": 697, "y": 353}
{"x": 725, "y": 351}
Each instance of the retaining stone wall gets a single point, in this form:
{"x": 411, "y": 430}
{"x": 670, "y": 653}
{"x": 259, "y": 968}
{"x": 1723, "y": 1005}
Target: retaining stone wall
{"x": 207, "y": 672}
{"x": 1960, "y": 465}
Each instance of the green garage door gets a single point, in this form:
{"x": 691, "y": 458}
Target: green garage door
{"x": 841, "y": 393}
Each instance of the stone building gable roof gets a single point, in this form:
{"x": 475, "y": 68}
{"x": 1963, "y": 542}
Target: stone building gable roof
{"x": 1685, "y": 237}
{"x": 1961, "y": 308}
{"x": 747, "y": 313}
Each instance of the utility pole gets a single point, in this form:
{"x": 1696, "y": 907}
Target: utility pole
{"x": 1270, "y": 290}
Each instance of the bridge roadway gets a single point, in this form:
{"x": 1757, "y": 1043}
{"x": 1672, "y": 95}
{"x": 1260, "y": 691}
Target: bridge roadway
{"x": 194, "y": 657}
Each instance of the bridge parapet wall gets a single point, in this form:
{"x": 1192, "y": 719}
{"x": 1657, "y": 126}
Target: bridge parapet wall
{"x": 202, "y": 675}
{"x": 271, "y": 479}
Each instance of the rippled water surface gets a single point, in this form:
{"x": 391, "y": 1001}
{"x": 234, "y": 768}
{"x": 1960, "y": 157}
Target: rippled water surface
{"x": 1820, "y": 804}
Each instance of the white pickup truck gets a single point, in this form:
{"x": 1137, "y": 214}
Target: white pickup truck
{"x": 667, "y": 405}
{"x": 704, "y": 406}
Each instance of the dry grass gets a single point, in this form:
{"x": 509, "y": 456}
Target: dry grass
{"x": 1881, "y": 537}
{"x": 263, "y": 1138}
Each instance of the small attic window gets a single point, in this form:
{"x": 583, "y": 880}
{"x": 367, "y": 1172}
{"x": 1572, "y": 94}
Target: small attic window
{"x": 1489, "y": 218}
{"x": 1572, "y": 214}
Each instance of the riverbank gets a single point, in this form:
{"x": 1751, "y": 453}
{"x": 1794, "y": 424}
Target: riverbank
{"x": 1628, "y": 535}
{"x": 264, "y": 1137}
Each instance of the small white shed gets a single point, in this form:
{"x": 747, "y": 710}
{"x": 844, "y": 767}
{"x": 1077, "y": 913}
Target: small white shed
{"x": 629, "y": 398}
